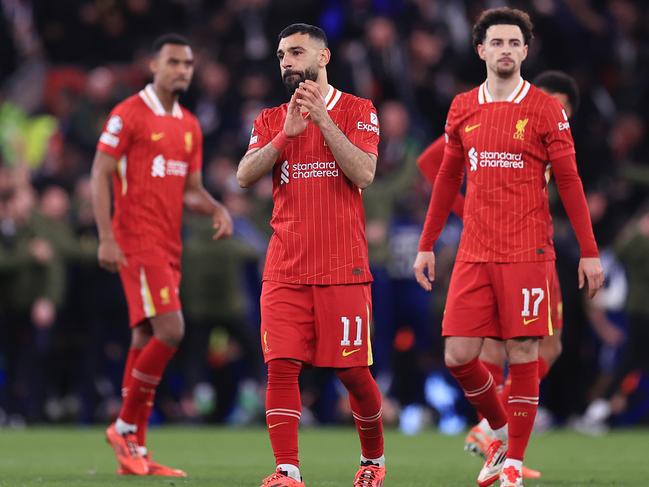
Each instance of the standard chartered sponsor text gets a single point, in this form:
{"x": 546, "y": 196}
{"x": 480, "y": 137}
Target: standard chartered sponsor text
{"x": 318, "y": 169}
{"x": 501, "y": 159}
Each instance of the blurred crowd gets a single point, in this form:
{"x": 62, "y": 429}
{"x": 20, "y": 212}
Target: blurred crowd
{"x": 63, "y": 323}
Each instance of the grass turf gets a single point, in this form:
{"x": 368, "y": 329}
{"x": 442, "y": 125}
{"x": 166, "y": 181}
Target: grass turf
{"x": 220, "y": 457}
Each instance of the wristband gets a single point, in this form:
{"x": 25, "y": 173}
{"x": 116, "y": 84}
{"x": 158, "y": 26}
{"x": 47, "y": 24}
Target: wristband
{"x": 280, "y": 141}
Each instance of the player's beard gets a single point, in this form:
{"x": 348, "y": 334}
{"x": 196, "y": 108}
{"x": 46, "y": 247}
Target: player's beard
{"x": 506, "y": 72}
{"x": 293, "y": 83}
{"x": 177, "y": 92}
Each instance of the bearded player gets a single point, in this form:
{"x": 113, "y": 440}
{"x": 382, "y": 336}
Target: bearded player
{"x": 315, "y": 303}
{"x": 151, "y": 149}
{"x": 504, "y": 132}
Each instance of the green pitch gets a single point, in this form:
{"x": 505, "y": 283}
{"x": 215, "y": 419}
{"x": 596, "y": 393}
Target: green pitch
{"x": 220, "y": 457}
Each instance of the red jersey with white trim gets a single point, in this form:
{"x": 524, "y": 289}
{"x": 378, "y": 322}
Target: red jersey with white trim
{"x": 506, "y": 146}
{"x": 156, "y": 152}
{"x": 318, "y": 218}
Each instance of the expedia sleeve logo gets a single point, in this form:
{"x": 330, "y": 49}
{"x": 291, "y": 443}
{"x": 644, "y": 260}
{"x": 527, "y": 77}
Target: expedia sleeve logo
{"x": 565, "y": 125}
{"x": 373, "y": 126}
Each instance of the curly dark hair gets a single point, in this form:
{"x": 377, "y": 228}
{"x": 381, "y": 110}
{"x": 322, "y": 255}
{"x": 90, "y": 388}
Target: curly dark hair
{"x": 502, "y": 16}
{"x": 559, "y": 82}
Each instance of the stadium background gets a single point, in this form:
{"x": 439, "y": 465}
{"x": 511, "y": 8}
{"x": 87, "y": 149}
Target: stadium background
{"x": 63, "y": 65}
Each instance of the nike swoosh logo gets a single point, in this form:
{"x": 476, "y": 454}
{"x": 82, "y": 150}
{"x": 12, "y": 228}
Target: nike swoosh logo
{"x": 347, "y": 353}
{"x": 527, "y": 322}
{"x": 271, "y": 426}
{"x": 469, "y": 128}
{"x": 157, "y": 136}
{"x": 365, "y": 429}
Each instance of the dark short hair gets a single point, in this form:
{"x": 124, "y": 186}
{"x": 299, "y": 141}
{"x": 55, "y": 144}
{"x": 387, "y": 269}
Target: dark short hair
{"x": 311, "y": 30}
{"x": 502, "y": 16}
{"x": 170, "y": 38}
{"x": 559, "y": 82}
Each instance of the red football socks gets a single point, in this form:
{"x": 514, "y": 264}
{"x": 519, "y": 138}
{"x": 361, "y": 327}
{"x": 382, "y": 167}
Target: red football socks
{"x": 133, "y": 354}
{"x": 365, "y": 401}
{"x": 480, "y": 389}
{"x": 283, "y": 409}
{"x": 143, "y": 418}
{"x": 496, "y": 371}
{"x": 544, "y": 368}
{"x": 522, "y": 404}
{"x": 146, "y": 373}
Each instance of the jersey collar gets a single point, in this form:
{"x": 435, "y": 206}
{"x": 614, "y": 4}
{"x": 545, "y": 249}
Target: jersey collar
{"x": 332, "y": 97}
{"x": 151, "y": 100}
{"x": 516, "y": 96}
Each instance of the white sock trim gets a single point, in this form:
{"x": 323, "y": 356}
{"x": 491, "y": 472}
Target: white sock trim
{"x": 124, "y": 428}
{"x": 378, "y": 461}
{"x": 291, "y": 470}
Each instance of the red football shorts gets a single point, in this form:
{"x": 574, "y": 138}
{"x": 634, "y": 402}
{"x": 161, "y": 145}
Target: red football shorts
{"x": 556, "y": 300}
{"x": 325, "y": 326}
{"x": 497, "y": 300}
{"x": 150, "y": 290}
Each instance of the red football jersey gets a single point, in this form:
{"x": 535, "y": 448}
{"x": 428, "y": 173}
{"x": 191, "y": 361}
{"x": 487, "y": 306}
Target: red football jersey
{"x": 506, "y": 146}
{"x": 155, "y": 153}
{"x": 318, "y": 218}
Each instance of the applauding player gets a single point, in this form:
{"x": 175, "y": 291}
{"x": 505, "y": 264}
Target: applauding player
{"x": 316, "y": 305}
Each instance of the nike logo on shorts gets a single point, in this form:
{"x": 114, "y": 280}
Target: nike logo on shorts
{"x": 347, "y": 353}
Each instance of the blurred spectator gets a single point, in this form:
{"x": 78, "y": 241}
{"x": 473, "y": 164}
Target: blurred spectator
{"x": 64, "y": 64}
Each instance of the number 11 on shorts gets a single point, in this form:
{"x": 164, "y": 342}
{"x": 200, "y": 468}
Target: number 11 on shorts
{"x": 359, "y": 328}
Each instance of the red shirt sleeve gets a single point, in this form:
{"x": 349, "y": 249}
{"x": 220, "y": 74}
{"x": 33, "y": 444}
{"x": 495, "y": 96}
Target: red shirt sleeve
{"x": 447, "y": 184}
{"x": 556, "y": 135}
{"x": 261, "y": 133}
{"x": 117, "y": 133}
{"x": 363, "y": 127}
{"x": 430, "y": 160}
{"x": 429, "y": 163}
{"x": 196, "y": 162}
{"x": 572, "y": 196}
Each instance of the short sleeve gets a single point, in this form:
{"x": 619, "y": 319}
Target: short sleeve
{"x": 196, "y": 162}
{"x": 117, "y": 133}
{"x": 451, "y": 133}
{"x": 261, "y": 133}
{"x": 556, "y": 135}
{"x": 363, "y": 127}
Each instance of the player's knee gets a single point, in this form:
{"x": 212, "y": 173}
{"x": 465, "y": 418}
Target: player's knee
{"x": 171, "y": 336}
{"x": 140, "y": 336}
{"x": 521, "y": 350}
{"x": 493, "y": 351}
{"x": 455, "y": 358}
